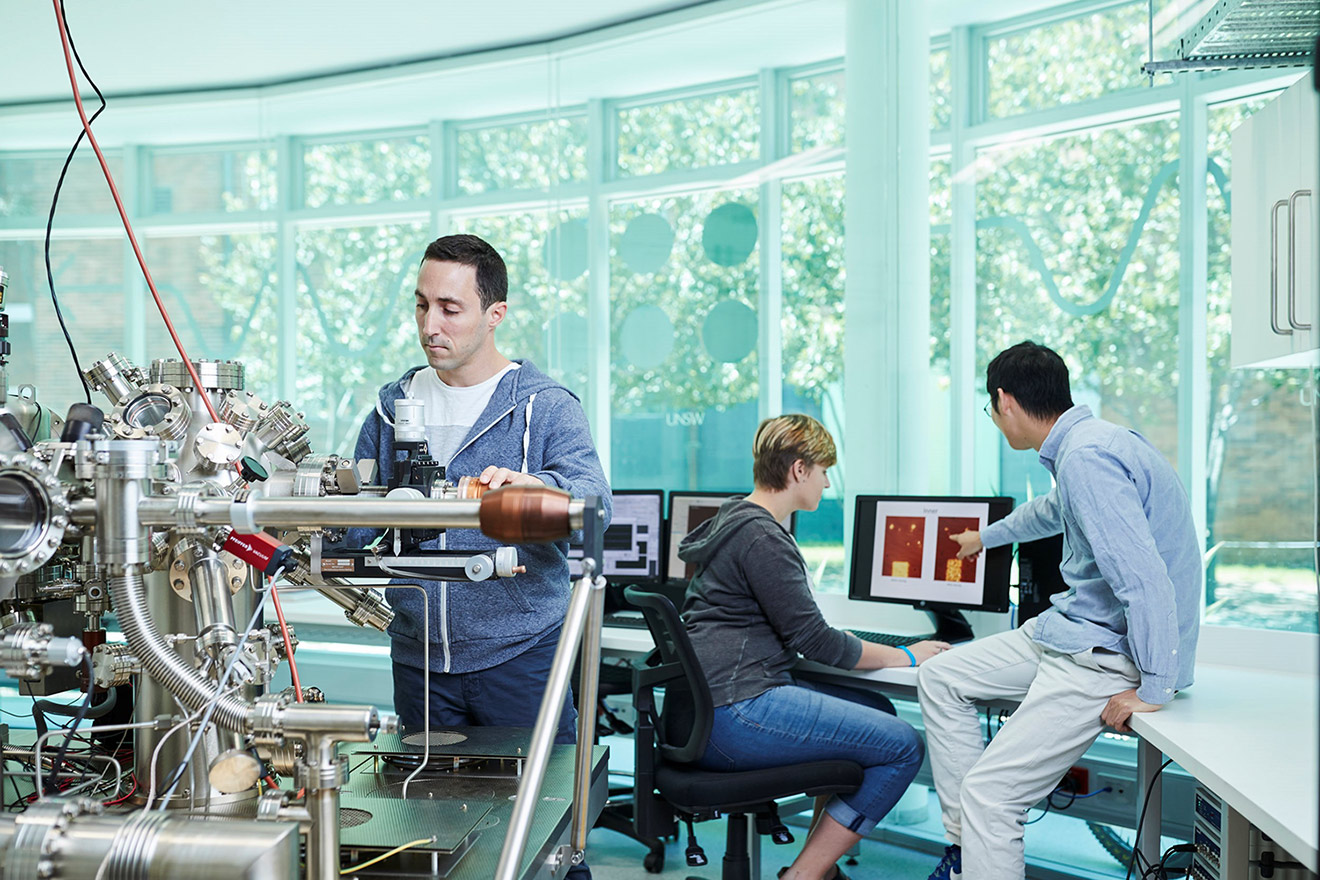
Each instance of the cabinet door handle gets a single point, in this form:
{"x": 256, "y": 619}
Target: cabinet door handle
{"x": 1274, "y": 269}
{"x": 1292, "y": 259}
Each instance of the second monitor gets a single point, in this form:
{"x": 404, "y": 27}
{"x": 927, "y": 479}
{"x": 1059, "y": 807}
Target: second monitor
{"x": 687, "y": 510}
{"x": 633, "y": 540}
{"x": 903, "y": 553}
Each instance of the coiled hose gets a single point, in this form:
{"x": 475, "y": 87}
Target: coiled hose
{"x": 163, "y": 663}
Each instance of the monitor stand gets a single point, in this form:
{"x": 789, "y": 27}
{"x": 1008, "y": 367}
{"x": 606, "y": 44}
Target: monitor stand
{"x": 950, "y": 625}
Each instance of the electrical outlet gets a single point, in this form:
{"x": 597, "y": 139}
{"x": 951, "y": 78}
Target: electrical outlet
{"x": 1122, "y": 789}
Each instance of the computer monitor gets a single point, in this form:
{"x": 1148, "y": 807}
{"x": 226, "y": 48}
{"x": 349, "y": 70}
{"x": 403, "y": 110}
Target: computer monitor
{"x": 634, "y": 540}
{"x": 687, "y": 510}
{"x": 903, "y": 553}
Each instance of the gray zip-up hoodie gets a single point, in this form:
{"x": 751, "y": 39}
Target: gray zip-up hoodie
{"x": 749, "y": 609}
{"x": 531, "y": 424}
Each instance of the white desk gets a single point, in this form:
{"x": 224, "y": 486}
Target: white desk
{"x": 1250, "y": 736}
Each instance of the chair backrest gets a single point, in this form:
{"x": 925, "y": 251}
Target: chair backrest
{"x": 688, "y": 712}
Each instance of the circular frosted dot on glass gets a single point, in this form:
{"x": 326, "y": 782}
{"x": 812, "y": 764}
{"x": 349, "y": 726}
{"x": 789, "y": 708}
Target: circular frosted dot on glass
{"x": 729, "y": 235}
{"x": 729, "y": 332}
{"x": 566, "y": 342}
{"x": 647, "y": 337}
{"x": 647, "y": 243}
{"x": 566, "y": 250}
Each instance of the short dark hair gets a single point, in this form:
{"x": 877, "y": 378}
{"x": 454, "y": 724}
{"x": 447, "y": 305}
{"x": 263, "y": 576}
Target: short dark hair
{"x": 1035, "y": 376}
{"x": 468, "y": 250}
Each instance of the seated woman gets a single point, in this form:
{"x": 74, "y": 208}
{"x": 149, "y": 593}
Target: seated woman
{"x": 750, "y": 614}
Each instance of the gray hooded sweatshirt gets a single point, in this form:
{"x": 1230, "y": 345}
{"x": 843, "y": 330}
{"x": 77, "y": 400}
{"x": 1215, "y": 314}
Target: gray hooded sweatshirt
{"x": 749, "y": 609}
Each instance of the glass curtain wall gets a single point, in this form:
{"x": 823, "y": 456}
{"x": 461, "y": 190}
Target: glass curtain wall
{"x": 676, "y": 257}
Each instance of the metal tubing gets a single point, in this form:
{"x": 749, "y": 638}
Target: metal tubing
{"x": 328, "y": 512}
{"x": 323, "y": 839}
{"x": 212, "y": 599}
{"x": 149, "y": 846}
{"x": 362, "y": 605}
{"x": 121, "y": 487}
{"x": 543, "y": 734}
{"x": 163, "y": 664}
{"x": 588, "y": 697}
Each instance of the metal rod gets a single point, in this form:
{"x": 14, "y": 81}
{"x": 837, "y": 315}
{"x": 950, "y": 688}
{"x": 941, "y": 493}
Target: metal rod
{"x": 371, "y": 513}
{"x": 543, "y": 734}
{"x": 588, "y": 697}
{"x": 323, "y": 839}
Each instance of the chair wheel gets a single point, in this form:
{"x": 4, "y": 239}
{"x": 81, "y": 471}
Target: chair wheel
{"x": 654, "y": 862}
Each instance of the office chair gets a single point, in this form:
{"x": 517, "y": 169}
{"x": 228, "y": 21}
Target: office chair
{"x": 668, "y": 746}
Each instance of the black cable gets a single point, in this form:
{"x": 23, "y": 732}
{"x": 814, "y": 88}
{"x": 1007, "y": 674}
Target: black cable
{"x": 1161, "y": 870}
{"x": 42, "y": 708}
{"x": 53, "y": 782}
{"x": 1150, "y": 789}
{"x": 50, "y": 220}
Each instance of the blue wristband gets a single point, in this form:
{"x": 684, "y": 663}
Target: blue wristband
{"x": 911, "y": 656}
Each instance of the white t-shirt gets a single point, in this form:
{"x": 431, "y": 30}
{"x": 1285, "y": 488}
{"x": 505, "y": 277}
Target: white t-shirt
{"x": 451, "y": 412}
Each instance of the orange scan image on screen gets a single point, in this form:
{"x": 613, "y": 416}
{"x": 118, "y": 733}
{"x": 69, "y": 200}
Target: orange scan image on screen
{"x": 948, "y": 567}
{"x": 904, "y": 540}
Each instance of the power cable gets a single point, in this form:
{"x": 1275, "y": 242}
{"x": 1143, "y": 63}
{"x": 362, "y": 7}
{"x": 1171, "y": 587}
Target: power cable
{"x": 215, "y": 701}
{"x": 59, "y": 185}
{"x": 123, "y": 216}
{"x": 77, "y": 719}
{"x": 1141, "y": 820}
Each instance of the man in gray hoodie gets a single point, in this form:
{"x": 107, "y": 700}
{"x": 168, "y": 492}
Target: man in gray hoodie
{"x": 488, "y": 645}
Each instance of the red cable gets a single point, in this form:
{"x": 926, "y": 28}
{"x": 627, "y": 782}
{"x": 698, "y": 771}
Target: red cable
{"x": 123, "y": 215}
{"x": 288, "y": 642}
{"x": 120, "y": 800}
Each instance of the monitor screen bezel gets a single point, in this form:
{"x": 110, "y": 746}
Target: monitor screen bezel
{"x": 664, "y": 538}
{"x": 998, "y": 560}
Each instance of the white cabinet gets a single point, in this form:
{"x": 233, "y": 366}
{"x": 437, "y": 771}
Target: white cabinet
{"x": 1276, "y": 236}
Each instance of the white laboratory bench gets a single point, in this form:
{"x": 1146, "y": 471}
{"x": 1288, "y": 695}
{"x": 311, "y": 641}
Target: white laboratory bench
{"x": 1246, "y": 730}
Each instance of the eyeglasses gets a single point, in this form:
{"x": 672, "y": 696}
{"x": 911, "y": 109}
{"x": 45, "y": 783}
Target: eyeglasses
{"x": 986, "y": 409}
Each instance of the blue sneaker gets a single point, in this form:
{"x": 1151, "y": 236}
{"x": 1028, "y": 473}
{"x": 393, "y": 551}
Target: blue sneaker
{"x": 950, "y": 867}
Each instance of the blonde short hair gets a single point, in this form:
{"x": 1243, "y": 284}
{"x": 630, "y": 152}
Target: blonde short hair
{"x": 785, "y": 439}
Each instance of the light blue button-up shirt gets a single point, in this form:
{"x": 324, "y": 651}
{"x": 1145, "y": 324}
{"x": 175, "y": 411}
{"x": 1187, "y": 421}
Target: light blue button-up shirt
{"x": 1130, "y": 554}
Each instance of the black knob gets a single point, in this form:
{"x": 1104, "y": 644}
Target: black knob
{"x": 252, "y": 470}
{"x": 83, "y": 419}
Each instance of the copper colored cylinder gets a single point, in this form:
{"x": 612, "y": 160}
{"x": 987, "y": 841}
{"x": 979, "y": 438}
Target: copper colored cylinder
{"x": 472, "y": 488}
{"x": 526, "y": 514}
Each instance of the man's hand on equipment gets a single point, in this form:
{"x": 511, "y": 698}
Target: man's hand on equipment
{"x": 495, "y": 477}
{"x": 1120, "y": 708}
{"x": 969, "y": 543}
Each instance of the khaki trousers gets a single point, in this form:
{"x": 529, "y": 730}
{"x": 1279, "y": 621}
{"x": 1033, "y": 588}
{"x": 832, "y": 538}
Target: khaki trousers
{"x": 985, "y": 791}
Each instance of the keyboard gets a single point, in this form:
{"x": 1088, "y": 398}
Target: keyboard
{"x": 893, "y": 641}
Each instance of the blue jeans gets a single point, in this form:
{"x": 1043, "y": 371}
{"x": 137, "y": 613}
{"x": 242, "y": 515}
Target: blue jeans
{"x": 812, "y": 721}
{"x": 507, "y": 695}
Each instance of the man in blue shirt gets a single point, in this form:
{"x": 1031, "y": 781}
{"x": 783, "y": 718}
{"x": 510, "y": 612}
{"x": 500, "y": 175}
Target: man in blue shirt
{"x": 1121, "y": 639}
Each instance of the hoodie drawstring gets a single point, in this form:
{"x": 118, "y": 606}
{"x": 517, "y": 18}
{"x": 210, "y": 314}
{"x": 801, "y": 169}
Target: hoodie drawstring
{"x": 527, "y": 431}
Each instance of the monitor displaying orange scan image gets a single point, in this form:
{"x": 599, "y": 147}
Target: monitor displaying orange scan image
{"x": 904, "y": 552}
